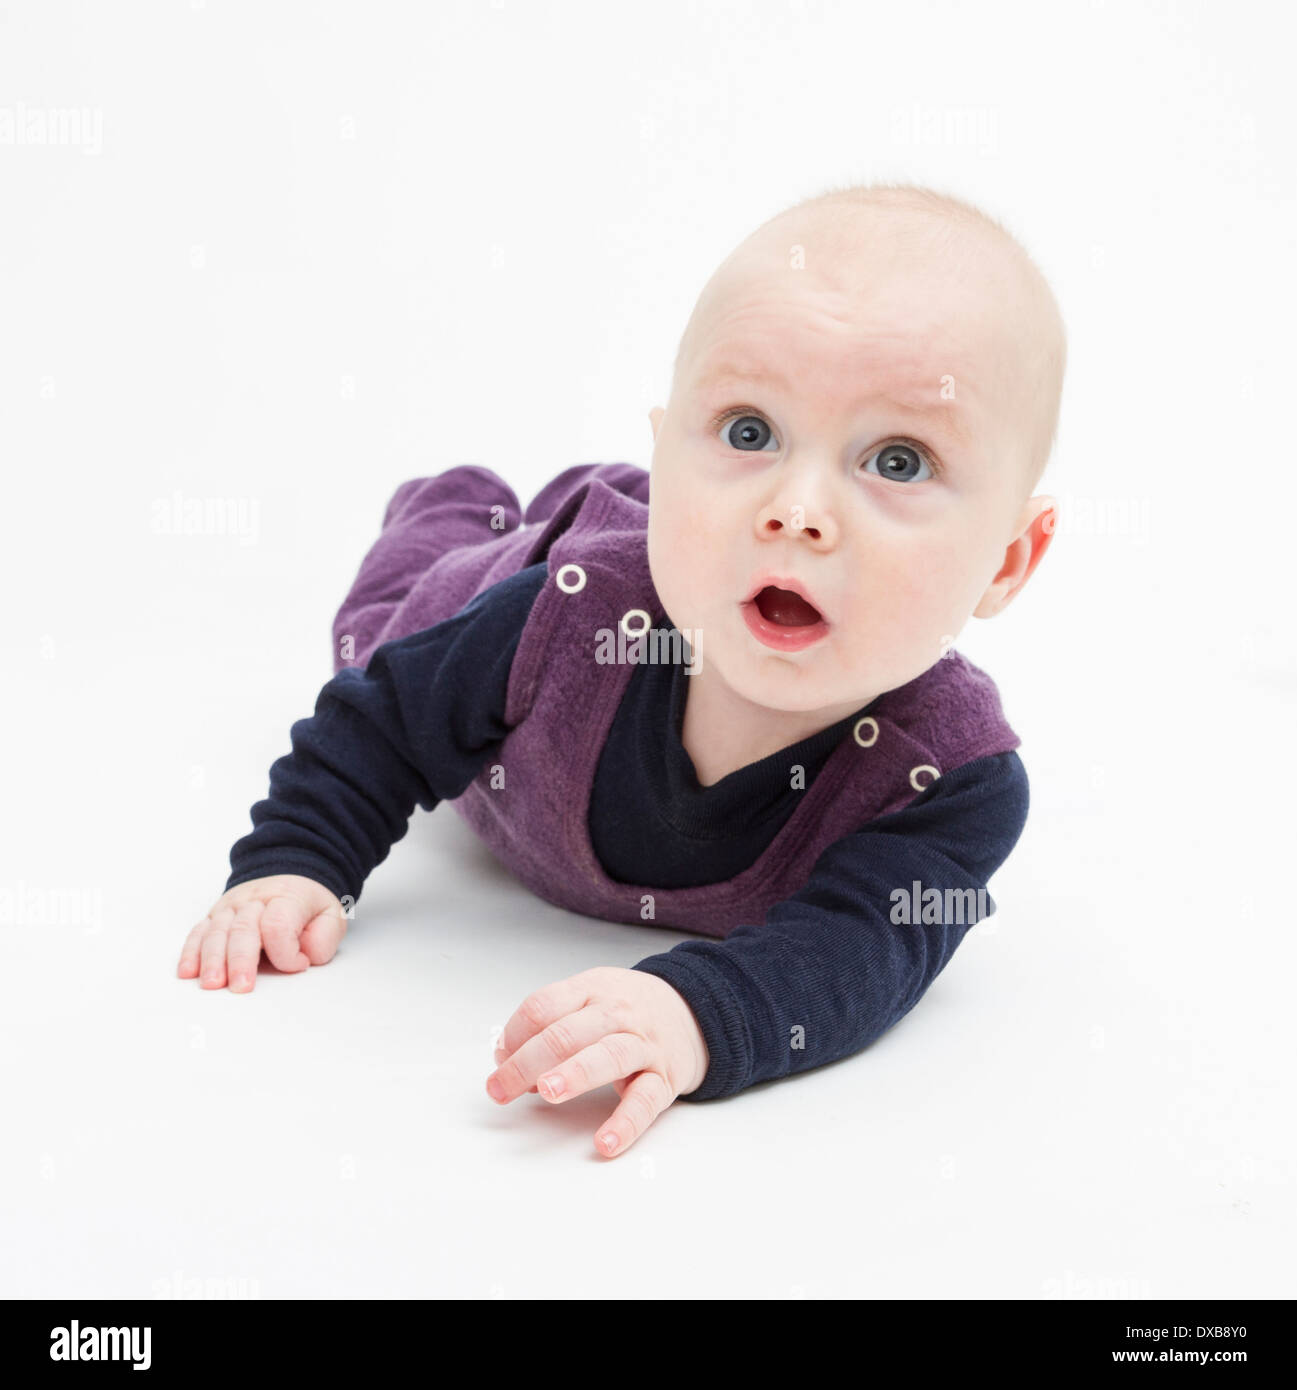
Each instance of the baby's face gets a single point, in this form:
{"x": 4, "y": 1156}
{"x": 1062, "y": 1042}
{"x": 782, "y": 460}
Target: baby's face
{"x": 866, "y": 440}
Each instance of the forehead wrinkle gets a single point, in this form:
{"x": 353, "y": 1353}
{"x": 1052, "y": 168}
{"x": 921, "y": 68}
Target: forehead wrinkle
{"x": 864, "y": 246}
{"x": 890, "y": 340}
{"x": 919, "y": 402}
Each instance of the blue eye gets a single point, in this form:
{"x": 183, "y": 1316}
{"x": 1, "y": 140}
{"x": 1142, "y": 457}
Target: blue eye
{"x": 901, "y": 463}
{"x": 749, "y": 433}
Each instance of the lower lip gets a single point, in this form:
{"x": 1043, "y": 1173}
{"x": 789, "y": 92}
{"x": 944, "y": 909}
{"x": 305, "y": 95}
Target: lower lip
{"x": 782, "y": 639}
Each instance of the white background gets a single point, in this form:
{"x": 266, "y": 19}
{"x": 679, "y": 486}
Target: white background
{"x": 313, "y": 251}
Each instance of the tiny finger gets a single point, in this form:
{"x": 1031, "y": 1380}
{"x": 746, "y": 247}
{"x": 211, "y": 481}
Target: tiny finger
{"x": 543, "y": 1007}
{"x": 244, "y": 948}
{"x": 615, "y": 1055}
{"x": 502, "y": 1056}
{"x": 541, "y": 1054}
{"x": 188, "y": 966}
{"x": 647, "y": 1096}
{"x": 323, "y": 935}
{"x": 212, "y": 955}
{"x": 281, "y": 926}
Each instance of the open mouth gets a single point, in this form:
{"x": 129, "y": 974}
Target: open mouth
{"x": 786, "y": 608}
{"x": 784, "y": 619}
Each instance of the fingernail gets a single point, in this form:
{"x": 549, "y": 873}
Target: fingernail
{"x": 552, "y": 1085}
{"x": 494, "y": 1089}
{"x": 609, "y": 1142}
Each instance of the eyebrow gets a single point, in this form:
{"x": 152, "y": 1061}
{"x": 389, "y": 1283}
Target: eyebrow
{"x": 934, "y": 411}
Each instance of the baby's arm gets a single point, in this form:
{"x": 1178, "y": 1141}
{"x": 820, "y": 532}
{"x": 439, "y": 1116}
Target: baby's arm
{"x": 830, "y": 971}
{"x": 414, "y": 727}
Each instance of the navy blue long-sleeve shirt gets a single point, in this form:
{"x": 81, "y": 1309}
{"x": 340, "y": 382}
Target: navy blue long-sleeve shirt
{"x": 829, "y": 970}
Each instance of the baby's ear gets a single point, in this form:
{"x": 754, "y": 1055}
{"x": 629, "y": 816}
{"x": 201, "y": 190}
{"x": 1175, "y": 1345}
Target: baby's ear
{"x": 655, "y": 419}
{"x": 1033, "y": 532}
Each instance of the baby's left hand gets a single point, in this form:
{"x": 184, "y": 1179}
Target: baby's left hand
{"x": 603, "y": 1025}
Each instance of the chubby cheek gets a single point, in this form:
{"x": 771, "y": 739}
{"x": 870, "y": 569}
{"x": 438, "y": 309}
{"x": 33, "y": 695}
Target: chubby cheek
{"x": 906, "y": 613}
{"x": 686, "y": 562}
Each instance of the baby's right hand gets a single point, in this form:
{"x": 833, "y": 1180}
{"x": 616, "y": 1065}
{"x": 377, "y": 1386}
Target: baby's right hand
{"x": 298, "y": 921}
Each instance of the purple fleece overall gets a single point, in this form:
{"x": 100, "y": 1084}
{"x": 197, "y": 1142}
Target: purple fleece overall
{"x": 446, "y": 539}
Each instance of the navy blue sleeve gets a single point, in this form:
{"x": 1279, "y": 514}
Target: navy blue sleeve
{"x": 415, "y": 726}
{"x": 837, "y": 964}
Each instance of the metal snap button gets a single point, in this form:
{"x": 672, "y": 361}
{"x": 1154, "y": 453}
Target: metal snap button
{"x": 873, "y": 724}
{"x": 576, "y": 579}
{"x": 635, "y": 613}
{"x": 923, "y": 767}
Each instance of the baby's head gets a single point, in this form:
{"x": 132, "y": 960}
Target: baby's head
{"x": 864, "y": 399}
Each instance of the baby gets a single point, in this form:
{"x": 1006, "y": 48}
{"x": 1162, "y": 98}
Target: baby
{"x": 863, "y": 401}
